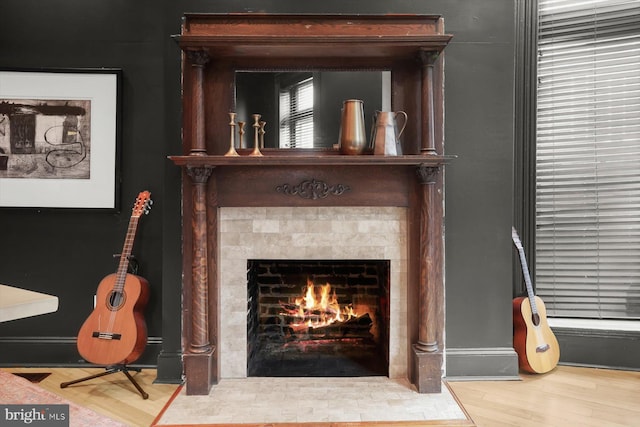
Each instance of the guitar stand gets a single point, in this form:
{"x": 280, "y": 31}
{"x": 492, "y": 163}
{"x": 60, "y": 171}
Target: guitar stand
{"x": 112, "y": 370}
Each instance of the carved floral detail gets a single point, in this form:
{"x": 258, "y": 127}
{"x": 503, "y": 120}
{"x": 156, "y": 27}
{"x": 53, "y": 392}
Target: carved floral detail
{"x": 199, "y": 174}
{"x": 427, "y": 57}
{"x": 313, "y": 189}
{"x": 198, "y": 58}
{"x": 427, "y": 174}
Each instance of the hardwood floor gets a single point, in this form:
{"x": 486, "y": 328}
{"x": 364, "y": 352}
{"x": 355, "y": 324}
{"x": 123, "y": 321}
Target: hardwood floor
{"x": 112, "y": 395}
{"x": 566, "y": 397}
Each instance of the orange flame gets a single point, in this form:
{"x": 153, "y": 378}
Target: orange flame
{"x": 320, "y": 308}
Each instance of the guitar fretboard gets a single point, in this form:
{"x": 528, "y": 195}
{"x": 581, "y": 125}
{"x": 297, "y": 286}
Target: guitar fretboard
{"x": 525, "y": 270}
{"x": 121, "y": 274}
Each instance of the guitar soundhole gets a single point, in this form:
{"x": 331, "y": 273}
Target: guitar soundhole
{"x": 116, "y": 300}
{"x": 535, "y": 318}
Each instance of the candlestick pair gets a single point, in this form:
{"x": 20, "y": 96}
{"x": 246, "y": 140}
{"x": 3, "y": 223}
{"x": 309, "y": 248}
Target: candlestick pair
{"x": 259, "y": 132}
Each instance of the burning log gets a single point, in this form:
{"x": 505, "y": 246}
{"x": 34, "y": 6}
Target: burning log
{"x": 354, "y": 327}
{"x": 320, "y": 316}
{"x": 297, "y": 311}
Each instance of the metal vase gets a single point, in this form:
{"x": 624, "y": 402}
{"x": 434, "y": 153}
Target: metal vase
{"x": 353, "y": 138}
{"x": 385, "y": 138}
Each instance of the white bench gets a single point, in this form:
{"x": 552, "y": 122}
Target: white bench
{"x": 16, "y": 303}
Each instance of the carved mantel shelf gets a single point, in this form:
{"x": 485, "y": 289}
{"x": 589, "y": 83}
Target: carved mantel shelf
{"x": 310, "y": 160}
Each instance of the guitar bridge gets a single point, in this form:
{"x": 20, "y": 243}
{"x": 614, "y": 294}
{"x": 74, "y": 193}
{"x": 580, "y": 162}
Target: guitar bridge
{"x": 542, "y": 348}
{"x": 106, "y": 335}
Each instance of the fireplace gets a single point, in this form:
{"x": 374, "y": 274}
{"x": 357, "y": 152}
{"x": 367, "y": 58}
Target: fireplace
{"x": 367, "y": 207}
{"x": 323, "y": 244}
{"x": 324, "y": 318}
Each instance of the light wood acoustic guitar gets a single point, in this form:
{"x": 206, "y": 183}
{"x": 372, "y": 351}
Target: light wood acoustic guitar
{"x": 534, "y": 341}
{"x": 115, "y": 333}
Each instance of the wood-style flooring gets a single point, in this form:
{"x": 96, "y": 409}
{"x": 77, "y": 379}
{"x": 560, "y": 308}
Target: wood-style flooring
{"x": 565, "y": 397}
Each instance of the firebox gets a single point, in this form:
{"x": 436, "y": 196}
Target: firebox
{"x": 318, "y": 318}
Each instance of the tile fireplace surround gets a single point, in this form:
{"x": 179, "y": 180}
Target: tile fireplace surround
{"x": 311, "y": 203}
{"x": 329, "y": 233}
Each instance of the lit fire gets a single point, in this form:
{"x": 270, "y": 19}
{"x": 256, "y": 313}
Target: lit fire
{"x": 317, "y": 308}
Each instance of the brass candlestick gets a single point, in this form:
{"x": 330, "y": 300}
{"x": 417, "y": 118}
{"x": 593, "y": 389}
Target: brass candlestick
{"x": 232, "y": 146}
{"x": 240, "y": 133}
{"x": 256, "y": 143}
{"x": 262, "y": 132}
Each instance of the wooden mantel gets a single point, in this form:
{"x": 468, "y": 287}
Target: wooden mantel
{"x": 309, "y": 160}
{"x": 215, "y": 46}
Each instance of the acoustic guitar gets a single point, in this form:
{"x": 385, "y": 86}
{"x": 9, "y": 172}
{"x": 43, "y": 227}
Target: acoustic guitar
{"x": 534, "y": 341}
{"x": 115, "y": 332}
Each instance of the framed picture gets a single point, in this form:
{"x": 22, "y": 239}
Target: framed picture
{"x": 60, "y": 138}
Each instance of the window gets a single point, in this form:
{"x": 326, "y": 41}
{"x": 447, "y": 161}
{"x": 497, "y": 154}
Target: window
{"x": 588, "y": 158}
{"x": 296, "y": 114}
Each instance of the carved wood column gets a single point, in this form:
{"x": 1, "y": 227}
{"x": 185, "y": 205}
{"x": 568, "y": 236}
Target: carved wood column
{"x": 199, "y": 59}
{"x": 427, "y": 60}
{"x": 199, "y": 358}
{"x": 199, "y": 267}
{"x": 427, "y": 338}
{"x": 427, "y": 351}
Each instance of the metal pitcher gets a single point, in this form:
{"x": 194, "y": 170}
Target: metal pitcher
{"x": 353, "y": 139}
{"x": 385, "y": 138}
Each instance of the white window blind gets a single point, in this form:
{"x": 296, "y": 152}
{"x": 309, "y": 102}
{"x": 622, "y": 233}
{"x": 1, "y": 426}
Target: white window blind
{"x": 588, "y": 158}
{"x": 296, "y": 115}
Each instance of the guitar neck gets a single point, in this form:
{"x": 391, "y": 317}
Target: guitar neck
{"x": 525, "y": 273}
{"x": 121, "y": 274}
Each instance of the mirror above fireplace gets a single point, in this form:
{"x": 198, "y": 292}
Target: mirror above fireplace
{"x": 302, "y": 108}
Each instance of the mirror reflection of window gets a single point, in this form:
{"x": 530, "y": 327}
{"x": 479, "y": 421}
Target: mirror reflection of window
{"x": 302, "y": 109}
{"x": 296, "y": 114}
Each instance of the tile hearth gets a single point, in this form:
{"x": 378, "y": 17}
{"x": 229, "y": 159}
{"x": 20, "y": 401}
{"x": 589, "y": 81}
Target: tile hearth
{"x": 312, "y": 400}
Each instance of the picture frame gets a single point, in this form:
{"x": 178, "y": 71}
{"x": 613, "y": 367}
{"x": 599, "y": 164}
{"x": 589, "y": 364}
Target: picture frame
{"x": 60, "y": 137}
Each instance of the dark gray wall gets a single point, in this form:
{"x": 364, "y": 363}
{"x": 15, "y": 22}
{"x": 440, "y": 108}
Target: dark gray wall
{"x": 67, "y": 253}
{"x": 479, "y": 69}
